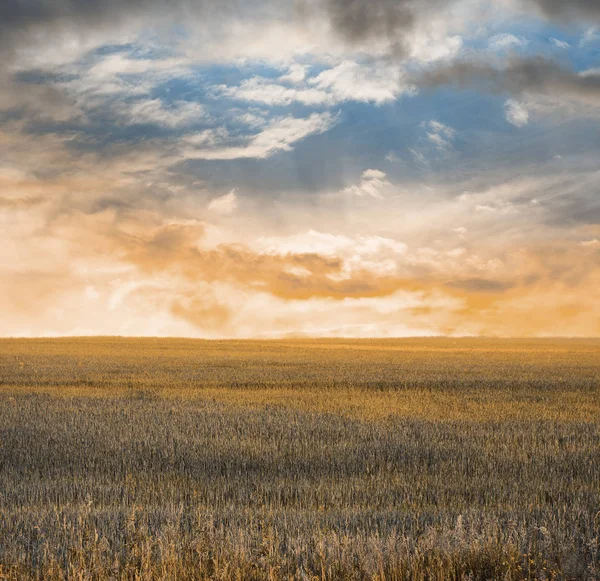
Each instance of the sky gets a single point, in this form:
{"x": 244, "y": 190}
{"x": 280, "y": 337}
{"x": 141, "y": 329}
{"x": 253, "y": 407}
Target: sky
{"x": 296, "y": 168}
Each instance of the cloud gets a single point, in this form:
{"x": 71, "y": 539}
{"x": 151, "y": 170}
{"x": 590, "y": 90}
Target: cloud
{"x": 388, "y": 25}
{"x": 331, "y": 245}
{"x": 362, "y": 22}
{"x": 594, "y": 243}
{"x": 393, "y": 25}
{"x": 143, "y": 267}
{"x": 369, "y": 282}
{"x": 210, "y": 137}
{"x": 560, "y": 43}
{"x": 439, "y": 141}
{"x": 418, "y": 156}
{"x": 252, "y": 119}
{"x": 440, "y": 135}
{"x": 478, "y": 285}
{"x": 430, "y": 42}
{"x": 221, "y": 31}
{"x": 126, "y": 83}
{"x": 506, "y": 42}
{"x": 154, "y": 111}
{"x": 535, "y": 75}
{"x": 291, "y": 275}
{"x": 296, "y": 73}
{"x": 103, "y": 104}
{"x": 20, "y": 203}
{"x": 589, "y": 36}
{"x": 442, "y": 129}
{"x": 225, "y": 204}
{"x": 516, "y": 113}
{"x": 260, "y": 90}
{"x": 350, "y": 81}
{"x": 373, "y": 183}
{"x": 114, "y": 86}
{"x": 24, "y": 22}
{"x": 279, "y": 135}
{"x": 347, "y": 81}
{"x": 582, "y": 10}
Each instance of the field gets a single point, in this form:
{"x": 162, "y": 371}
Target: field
{"x": 417, "y": 459}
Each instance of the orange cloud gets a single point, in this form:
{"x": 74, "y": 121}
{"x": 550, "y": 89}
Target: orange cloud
{"x": 88, "y": 254}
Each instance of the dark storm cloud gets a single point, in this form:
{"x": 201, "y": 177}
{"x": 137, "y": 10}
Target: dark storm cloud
{"x": 578, "y": 9}
{"x": 355, "y": 21}
{"x": 358, "y": 21}
{"x": 536, "y": 75}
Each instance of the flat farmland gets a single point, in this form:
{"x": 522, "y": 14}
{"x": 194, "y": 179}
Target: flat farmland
{"x": 421, "y": 459}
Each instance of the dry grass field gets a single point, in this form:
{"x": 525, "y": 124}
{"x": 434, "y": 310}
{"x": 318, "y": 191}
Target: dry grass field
{"x": 417, "y": 459}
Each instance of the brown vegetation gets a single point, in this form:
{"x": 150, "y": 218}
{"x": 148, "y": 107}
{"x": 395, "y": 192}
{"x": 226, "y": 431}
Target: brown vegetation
{"x": 399, "y": 459}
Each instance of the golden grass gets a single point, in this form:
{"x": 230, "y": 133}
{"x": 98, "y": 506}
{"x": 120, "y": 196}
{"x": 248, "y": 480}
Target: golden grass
{"x": 421, "y": 459}
{"x": 433, "y": 379}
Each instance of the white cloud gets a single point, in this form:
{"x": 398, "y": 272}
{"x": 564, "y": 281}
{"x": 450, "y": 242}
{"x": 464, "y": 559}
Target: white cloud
{"x": 441, "y": 128}
{"x": 560, "y": 43}
{"x": 594, "y": 243}
{"x": 276, "y": 41}
{"x": 418, "y": 156}
{"x": 154, "y": 111}
{"x": 251, "y": 119}
{"x": 260, "y": 90}
{"x": 505, "y": 41}
{"x": 428, "y": 49}
{"x": 328, "y": 244}
{"x": 118, "y": 75}
{"x": 594, "y": 72}
{"x": 210, "y": 137}
{"x": 501, "y": 206}
{"x": 516, "y": 113}
{"x": 347, "y": 81}
{"x": 121, "y": 86}
{"x": 279, "y": 135}
{"x": 350, "y": 81}
{"x": 373, "y": 183}
{"x": 226, "y": 204}
{"x": 440, "y": 135}
{"x": 118, "y": 64}
{"x": 373, "y": 174}
{"x": 439, "y": 141}
{"x": 377, "y": 254}
{"x": 296, "y": 73}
